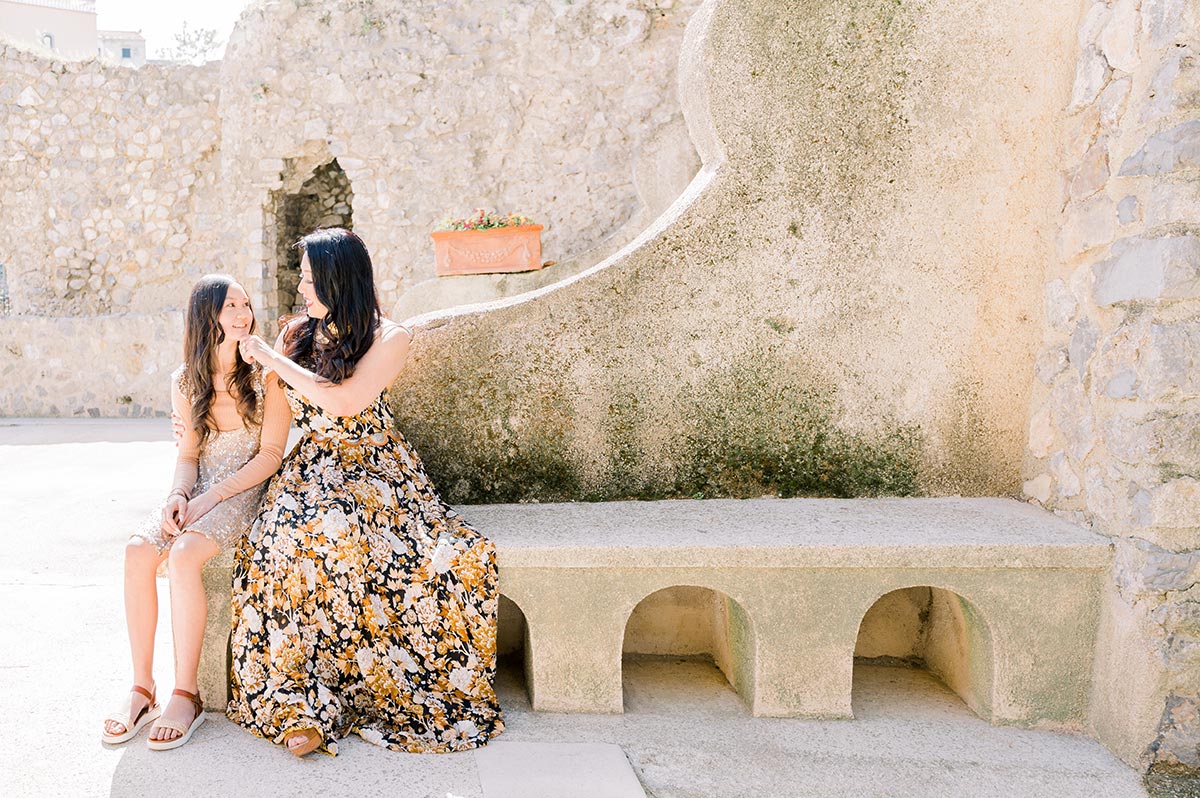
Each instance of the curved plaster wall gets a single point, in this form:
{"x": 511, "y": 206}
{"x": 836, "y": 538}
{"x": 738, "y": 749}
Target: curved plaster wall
{"x": 846, "y": 301}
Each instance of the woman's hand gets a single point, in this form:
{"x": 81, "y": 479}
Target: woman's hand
{"x": 177, "y": 428}
{"x": 172, "y": 515}
{"x": 255, "y": 350}
{"x": 198, "y": 507}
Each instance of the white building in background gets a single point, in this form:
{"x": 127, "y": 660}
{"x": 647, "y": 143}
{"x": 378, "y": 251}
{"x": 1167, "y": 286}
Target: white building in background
{"x": 123, "y": 46}
{"x": 67, "y": 28}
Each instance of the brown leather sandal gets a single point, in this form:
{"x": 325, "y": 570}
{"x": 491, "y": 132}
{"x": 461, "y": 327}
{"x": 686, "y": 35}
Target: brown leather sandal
{"x": 185, "y": 732}
{"x": 311, "y": 744}
{"x": 132, "y": 727}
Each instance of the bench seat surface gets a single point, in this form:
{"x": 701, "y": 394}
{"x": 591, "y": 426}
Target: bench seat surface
{"x": 788, "y": 533}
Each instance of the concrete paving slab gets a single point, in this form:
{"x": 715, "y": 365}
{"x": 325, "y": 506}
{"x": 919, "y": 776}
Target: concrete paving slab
{"x": 551, "y": 770}
{"x": 66, "y": 508}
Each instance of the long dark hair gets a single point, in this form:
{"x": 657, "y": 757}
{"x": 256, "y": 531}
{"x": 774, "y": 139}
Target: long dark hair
{"x": 344, "y": 281}
{"x": 201, "y": 335}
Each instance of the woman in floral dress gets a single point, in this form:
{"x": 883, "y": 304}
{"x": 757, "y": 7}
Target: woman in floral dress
{"x": 361, "y": 602}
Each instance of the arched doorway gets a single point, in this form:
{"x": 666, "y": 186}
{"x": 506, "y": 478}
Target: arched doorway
{"x": 324, "y": 199}
{"x": 930, "y": 629}
{"x": 685, "y": 642}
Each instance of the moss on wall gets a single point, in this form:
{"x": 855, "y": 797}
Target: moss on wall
{"x": 742, "y": 430}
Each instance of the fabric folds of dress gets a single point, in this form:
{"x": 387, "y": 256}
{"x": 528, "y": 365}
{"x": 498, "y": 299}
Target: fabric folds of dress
{"x": 361, "y": 602}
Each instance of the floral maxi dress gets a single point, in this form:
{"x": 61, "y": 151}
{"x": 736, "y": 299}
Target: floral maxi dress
{"x": 361, "y": 602}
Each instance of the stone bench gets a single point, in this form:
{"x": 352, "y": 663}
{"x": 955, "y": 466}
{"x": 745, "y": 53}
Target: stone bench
{"x": 1010, "y": 622}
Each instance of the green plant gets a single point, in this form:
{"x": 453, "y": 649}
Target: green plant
{"x": 482, "y": 219}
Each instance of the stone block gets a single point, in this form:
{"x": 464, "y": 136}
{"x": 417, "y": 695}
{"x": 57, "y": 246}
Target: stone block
{"x": 1161, "y": 20}
{"x": 1073, "y": 414}
{"x": 1148, "y": 268}
{"x": 1113, "y": 100}
{"x": 1050, "y": 363}
{"x": 1128, "y": 210}
{"x": 1065, "y": 476}
{"x": 1178, "y": 742}
{"x": 1092, "y": 173}
{"x": 1122, "y": 385}
{"x": 1144, "y": 570}
{"x": 1174, "y": 504}
{"x": 1093, "y": 23}
{"x": 1088, "y": 224}
{"x": 1041, "y": 433}
{"x": 29, "y": 98}
{"x": 1038, "y": 488}
{"x": 1173, "y": 202}
{"x": 1099, "y": 497}
{"x": 1082, "y": 345}
{"x": 1170, "y": 361}
{"x": 1090, "y": 75}
{"x": 1169, "y": 151}
{"x": 1118, "y": 40}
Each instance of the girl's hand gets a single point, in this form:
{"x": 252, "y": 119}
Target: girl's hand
{"x": 255, "y": 350}
{"x": 177, "y": 428}
{"x": 198, "y": 507}
{"x": 172, "y": 515}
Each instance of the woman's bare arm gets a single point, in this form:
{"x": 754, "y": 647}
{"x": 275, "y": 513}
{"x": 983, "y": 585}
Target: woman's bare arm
{"x": 377, "y": 370}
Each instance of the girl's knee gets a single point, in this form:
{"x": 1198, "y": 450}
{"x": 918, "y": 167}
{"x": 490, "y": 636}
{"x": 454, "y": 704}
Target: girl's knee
{"x": 192, "y": 549}
{"x": 141, "y": 552}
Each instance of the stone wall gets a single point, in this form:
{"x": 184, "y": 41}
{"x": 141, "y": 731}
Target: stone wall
{"x": 89, "y": 365}
{"x": 108, "y": 185}
{"x": 119, "y": 187}
{"x": 1114, "y": 435}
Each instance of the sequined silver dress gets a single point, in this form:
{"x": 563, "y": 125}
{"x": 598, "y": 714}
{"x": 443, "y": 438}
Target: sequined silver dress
{"x": 222, "y": 454}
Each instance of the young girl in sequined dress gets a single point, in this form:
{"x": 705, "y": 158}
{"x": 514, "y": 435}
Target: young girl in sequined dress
{"x": 235, "y": 427}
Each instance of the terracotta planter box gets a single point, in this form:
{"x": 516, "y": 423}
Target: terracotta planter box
{"x": 501, "y": 249}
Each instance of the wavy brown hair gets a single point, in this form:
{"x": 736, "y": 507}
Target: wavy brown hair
{"x": 344, "y": 281}
{"x": 201, "y": 335}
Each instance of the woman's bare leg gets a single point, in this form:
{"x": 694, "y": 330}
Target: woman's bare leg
{"x": 141, "y": 618}
{"x": 189, "y": 611}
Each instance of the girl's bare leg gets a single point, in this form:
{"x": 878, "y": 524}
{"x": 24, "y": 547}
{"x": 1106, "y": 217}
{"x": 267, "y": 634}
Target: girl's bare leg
{"x": 141, "y": 618}
{"x": 189, "y": 611}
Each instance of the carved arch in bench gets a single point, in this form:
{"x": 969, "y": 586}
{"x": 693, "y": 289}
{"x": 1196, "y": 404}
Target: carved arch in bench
{"x": 513, "y": 634}
{"x": 727, "y": 632}
{"x": 959, "y": 642}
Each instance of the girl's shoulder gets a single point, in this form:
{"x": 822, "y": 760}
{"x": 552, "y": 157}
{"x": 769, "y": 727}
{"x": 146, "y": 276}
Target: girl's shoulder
{"x": 179, "y": 379}
{"x": 258, "y": 378}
